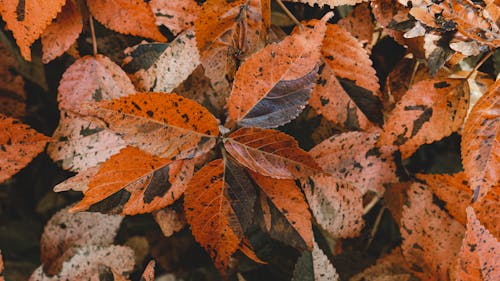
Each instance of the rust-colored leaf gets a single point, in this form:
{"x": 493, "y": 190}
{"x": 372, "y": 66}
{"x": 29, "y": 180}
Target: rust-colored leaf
{"x": 315, "y": 266}
{"x": 270, "y": 153}
{"x": 79, "y": 182}
{"x": 176, "y": 15}
{"x": 354, "y": 158}
{"x": 62, "y": 33}
{"x": 359, "y": 23}
{"x": 387, "y": 12}
{"x": 481, "y": 143}
{"x": 19, "y": 144}
{"x": 331, "y": 3}
{"x": 12, "y": 93}
{"x": 126, "y": 16}
{"x": 1, "y": 267}
{"x": 287, "y": 198}
{"x": 27, "y": 19}
{"x": 219, "y": 206}
{"x": 169, "y": 220}
{"x": 282, "y": 77}
{"x": 226, "y": 31}
{"x": 149, "y": 272}
{"x": 395, "y": 196}
{"x": 347, "y": 92}
{"x": 337, "y": 206}
{"x": 165, "y": 125}
{"x": 431, "y": 110}
{"x": 431, "y": 238}
{"x": 92, "y": 79}
{"x": 65, "y": 231}
{"x": 246, "y": 248}
{"x": 134, "y": 182}
{"x": 479, "y": 257}
{"x": 391, "y": 267}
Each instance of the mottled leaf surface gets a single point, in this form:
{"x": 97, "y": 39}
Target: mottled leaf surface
{"x": 314, "y": 266}
{"x": 391, "y": 267}
{"x": 176, "y": 15}
{"x": 331, "y": 3}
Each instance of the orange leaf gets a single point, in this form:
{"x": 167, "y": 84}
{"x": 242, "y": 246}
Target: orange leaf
{"x": 331, "y": 3}
{"x": 359, "y": 23}
{"x": 431, "y": 110}
{"x": 12, "y": 92}
{"x": 169, "y": 220}
{"x": 165, "y": 125}
{"x": 134, "y": 182}
{"x": 246, "y": 248}
{"x": 270, "y": 153}
{"x": 387, "y": 11}
{"x": 431, "y": 238}
{"x": 176, "y": 15}
{"x": 19, "y": 144}
{"x": 354, "y": 158}
{"x": 219, "y": 205}
{"x": 389, "y": 267}
{"x": 1, "y": 267}
{"x": 149, "y": 272}
{"x": 27, "y": 19}
{"x": 126, "y": 16}
{"x": 337, "y": 207}
{"x": 287, "y": 198}
{"x": 62, "y": 33}
{"x": 352, "y": 101}
{"x": 481, "y": 143}
{"x": 479, "y": 257}
{"x": 272, "y": 86}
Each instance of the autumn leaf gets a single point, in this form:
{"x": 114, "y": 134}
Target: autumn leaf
{"x": 387, "y": 12}
{"x": 27, "y": 19}
{"x": 19, "y": 144}
{"x": 353, "y": 157}
{"x": 149, "y": 272}
{"x": 314, "y": 266}
{"x": 176, "y": 15}
{"x": 359, "y": 23}
{"x": 1, "y": 267}
{"x": 391, "y": 267}
{"x": 165, "y": 125}
{"x": 133, "y": 17}
{"x": 169, "y": 220}
{"x": 283, "y": 75}
{"x": 270, "y": 153}
{"x": 431, "y": 238}
{"x": 134, "y": 182}
{"x": 12, "y": 92}
{"x": 431, "y": 110}
{"x": 395, "y": 196}
{"x": 62, "y": 33}
{"x": 219, "y": 203}
{"x": 480, "y": 146}
{"x": 286, "y": 198}
{"x": 331, "y": 3}
{"x": 347, "y": 92}
{"x": 479, "y": 256}
{"x": 337, "y": 206}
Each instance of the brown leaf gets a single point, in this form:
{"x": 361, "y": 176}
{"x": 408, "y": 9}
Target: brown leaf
{"x": 62, "y": 33}
{"x": 287, "y": 198}
{"x": 169, "y": 220}
{"x": 387, "y": 11}
{"x": 353, "y": 157}
{"x": 391, "y": 267}
{"x": 431, "y": 110}
{"x": 19, "y": 144}
{"x": 395, "y": 196}
{"x": 431, "y": 238}
{"x": 481, "y": 143}
{"x": 359, "y": 23}
{"x": 65, "y": 231}
{"x": 176, "y": 15}
{"x": 337, "y": 206}
{"x": 331, "y": 3}
{"x": 165, "y": 125}
{"x": 92, "y": 79}
{"x": 12, "y": 93}
{"x": 352, "y": 102}
{"x": 149, "y": 272}
{"x": 126, "y": 16}
{"x": 27, "y": 19}
{"x": 270, "y": 153}
{"x": 226, "y": 31}
{"x": 479, "y": 257}
{"x": 134, "y": 182}
{"x": 282, "y": 77}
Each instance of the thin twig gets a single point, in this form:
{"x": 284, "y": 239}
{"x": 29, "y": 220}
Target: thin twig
{"x": 92, "y": 32}
{"x": 478, "y": 65}
{"x": 415, "y": 68}
{"x": 375, "y": 227}
{"x": 288, "y": 13}
{"x": 370, "y": 205}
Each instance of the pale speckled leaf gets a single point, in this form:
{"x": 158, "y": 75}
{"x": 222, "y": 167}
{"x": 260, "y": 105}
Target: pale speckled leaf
{"x": 176, "y": 15}
{"x": 314, "y": 266}
{"x": 331, "y": 3}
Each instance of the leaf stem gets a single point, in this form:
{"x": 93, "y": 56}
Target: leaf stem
{"x": 478, "y": 65}
{"x": 92, "y": 32}
{"x": 375, "y": 227}
{"x": 414, "y": 72}
{"x": 370, "y": 205}
{"x": 288, "y": 13}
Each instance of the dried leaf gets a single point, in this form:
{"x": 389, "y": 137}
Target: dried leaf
{"x": 431, "y": 110}
{"x": 479, "y": 257}
{"x": 287, "y": 198}
{"x": 359, "y": 23}
{"x": 12, "y": 93}
{"x": 176, "y": 15}
{"x": 87, "y": 262}
{"x": 134, "y": 182}
{"x": 169, "y": 220}
{"x": 431, "y": 238}
{"x": 126, "y": 16}
{"x": 314, "y": 266}
{"x": 62, "y": 33}
{"x": 391, "y": 267}
{"x": 480, "y": 143}
{"x": 337, "y": 207}
{"x": 165, "y": 125}
{"x": 1, "y": 267}
{"x": 282, "y": 75}
{"x": 387, "y": 12}
{"x": 149, "y": 272}
{"x": 331, "y": 3}
{"x": 19, "y": 144}
{"x": 395, "y": 196}
{"x": 353, "y": 157}
{"x": 66, "y": 231}
{"x": 79, "y": 182}
{"x": 160, "y": 67}
{"x": 270, "y": 153}
{"x": 353, "y": 101}
{"x": 27, "y": 19}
